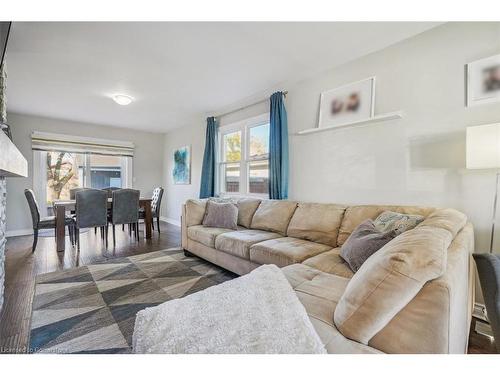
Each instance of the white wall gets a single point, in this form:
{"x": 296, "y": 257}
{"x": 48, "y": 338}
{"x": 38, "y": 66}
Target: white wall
{"x": 417, "y": 160}
{"x": 147, "y": 165}
{"x": 194, "y": 135}
{"x": 175, "y": 195}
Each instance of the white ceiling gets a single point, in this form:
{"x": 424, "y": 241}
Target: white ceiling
{"x": 177, "y": 72}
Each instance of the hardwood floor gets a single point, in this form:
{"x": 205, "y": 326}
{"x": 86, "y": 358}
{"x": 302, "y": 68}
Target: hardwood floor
{"x": 480, "y": 344}
{"x": 21, "y": 267}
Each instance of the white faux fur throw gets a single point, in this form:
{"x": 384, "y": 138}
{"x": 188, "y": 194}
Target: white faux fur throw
{"x": 255, "y": 313}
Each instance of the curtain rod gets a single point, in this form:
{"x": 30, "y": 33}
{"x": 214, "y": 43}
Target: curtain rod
{"x": 245, "y": 107}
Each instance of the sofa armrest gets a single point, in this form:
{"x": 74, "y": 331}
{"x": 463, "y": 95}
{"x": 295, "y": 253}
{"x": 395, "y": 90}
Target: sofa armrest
{"x": 438, "y": 319}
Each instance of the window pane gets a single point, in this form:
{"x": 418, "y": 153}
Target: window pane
{"x": 232, "y": 146}
{"x": 259, "y": 141}
{"x": 105, "y": 171}
{"x": 258, "y": 176}
{"x": 62, "y": 174}
{"x": 231, "y": 176}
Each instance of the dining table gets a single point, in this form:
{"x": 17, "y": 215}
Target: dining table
{"x": 62, "y": 206}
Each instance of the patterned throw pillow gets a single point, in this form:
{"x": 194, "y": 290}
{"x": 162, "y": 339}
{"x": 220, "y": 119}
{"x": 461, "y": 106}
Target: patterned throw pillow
{"x": 221, "y": 215}
{"x": 400, "y": 223}
{"x": 223, "y": 199}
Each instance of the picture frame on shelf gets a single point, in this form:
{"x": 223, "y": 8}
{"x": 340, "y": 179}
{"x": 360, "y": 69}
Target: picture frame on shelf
{"x": 348, "y": 103}
{"x": 483, "y": 81}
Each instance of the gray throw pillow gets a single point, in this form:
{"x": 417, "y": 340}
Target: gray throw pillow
{"x": 389, "y": 220}
{"x": 221, "y": 215}
{"x": 363, "y": 242}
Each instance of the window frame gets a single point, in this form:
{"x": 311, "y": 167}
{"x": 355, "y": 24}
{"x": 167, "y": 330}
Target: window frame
{"x": 243, "y": 127}
{"x": 39, "y": 175}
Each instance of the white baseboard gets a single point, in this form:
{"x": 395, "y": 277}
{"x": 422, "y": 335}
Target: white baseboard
{"x": 19, "y": 232}
{"x": 170, "y": 221}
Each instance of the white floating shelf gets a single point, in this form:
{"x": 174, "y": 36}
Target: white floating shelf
{"x": 378, "y": 118}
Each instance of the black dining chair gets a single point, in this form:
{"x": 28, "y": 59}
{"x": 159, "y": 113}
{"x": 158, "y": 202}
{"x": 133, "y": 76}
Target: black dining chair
{"x": 72, "y": 192}
{"x": 488, "y": 269}
{"x": 155, "y": 207}
{"x": 110, "y": 190}
{"x": 48, "y": 222}
{"x": 125, "y": 210}
{"x": 91, "y": 212}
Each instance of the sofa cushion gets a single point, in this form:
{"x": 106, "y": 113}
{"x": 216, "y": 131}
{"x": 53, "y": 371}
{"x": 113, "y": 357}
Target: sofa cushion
{"x": 330, "y": 262}
{"x": 205, "y": 235}
{"x": 238, "y": 243}
{"x": 273, "y": 216}
{"x": 446, "y": 218}
{"x": 306, "y": 279}
{"x": 355, "y": 215}
{"x": 394, "y": 275}
{"x": 284, "y": 251}
{"x": 221, "y": 215}
{"x": 195, "y": 211}
{"x": 319, "y": 293}
{"x": 363, "y": 242}
{"x": 316, "y": 222}
{"x": 246, "y": 210}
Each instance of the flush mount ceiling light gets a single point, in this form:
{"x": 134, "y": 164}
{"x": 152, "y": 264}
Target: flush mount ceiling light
{"x": 122, "y": 99}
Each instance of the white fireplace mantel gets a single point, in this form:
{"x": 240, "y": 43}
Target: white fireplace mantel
{"x": 12, "y": 162}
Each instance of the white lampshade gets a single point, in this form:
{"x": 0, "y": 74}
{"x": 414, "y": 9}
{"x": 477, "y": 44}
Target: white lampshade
{"x": 483, "y": 147}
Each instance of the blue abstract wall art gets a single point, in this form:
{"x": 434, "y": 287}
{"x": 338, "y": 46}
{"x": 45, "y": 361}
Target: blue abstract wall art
{"x": 182, "y": 166}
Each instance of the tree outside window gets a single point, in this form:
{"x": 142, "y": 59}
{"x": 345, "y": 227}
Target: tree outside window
{"x": 62, "y": 175}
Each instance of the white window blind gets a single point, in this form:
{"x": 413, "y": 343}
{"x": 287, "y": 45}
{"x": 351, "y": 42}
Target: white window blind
{"x": 42, "y": 141}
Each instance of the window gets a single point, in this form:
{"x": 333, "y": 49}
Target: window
{"x": 63, "y": 171}
{"x": 58, "y": 172}
{"x": 62, "y": 162}
{"x": 231, "y": 168}
{"x": 244, "y": 157}
{"x": 106, "y": 171}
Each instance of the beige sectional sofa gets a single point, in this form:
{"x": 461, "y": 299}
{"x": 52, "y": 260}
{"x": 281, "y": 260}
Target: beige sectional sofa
{"x": 415, "y": 295}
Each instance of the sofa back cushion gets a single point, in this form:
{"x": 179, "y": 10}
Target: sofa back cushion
{"x": 446, "y": 218}
{"x": 394, "y": 275}
{"x": 355, "y": 215}
{"x": 273, "y": 216}
{"x": 316, "y": 222}
{"x": 195, "y": 211}
{"x": 246, "y": 210}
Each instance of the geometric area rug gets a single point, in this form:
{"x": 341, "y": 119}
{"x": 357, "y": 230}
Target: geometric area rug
{"x": 92, "y": 308}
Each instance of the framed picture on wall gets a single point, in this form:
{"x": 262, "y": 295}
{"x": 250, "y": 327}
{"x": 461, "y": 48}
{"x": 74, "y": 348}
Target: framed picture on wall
{"x": 349, "y": 103}
{"x": 182, "y": 166}
{"x": 483, "y": 81}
